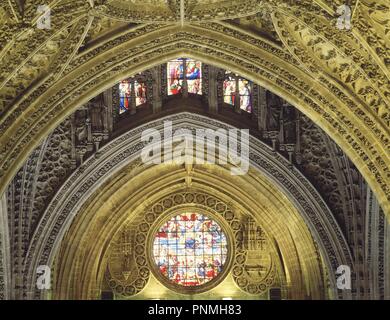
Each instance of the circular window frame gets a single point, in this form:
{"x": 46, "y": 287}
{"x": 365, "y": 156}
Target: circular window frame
{"x": 166, "y": 216}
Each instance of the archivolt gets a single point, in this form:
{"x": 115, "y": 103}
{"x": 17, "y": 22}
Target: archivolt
{"x": 119, "y": 161}
{"x": 81, "y": 268}
{"x": 348, "y": 119}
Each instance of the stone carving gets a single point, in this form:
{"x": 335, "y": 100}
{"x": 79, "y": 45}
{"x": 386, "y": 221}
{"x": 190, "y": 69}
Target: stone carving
{"x": 127, "y": 271}
{"x": 2, "y": 271}
{"x": 283, "y": 132}
{"x": 89, "y": 181}
{"x": 375, "y": 254}
{"x": 378, "y": 159}
{"x": 128, "y": 275}
{"x": 53, "y": 168}
{"x": 324, "y": 70}
{"x": 169, "y": 11}
{"x": 320, "y": 48}
{"x": 254, "y": 270}
{"x": 283, "y": 126}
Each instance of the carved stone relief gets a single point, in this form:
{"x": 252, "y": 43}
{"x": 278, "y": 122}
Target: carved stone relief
{"x": 253, "y": 269}
{"x": 287, "y": 131}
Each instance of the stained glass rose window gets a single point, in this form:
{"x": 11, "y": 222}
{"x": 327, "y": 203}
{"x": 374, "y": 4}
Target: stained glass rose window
{"x": 190, "y": 249}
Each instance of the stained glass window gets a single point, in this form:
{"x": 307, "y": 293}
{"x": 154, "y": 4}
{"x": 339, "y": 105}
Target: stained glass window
{"x": 244, "y": 91}
{"x": 140, "y": 93}
{"x": 125, "y": 94}
{"x": 229, "y": 90}
{"x": 190, "y": 249}
{"x": 245, "y": 95}
{"x": 176, "y": 77}
{"x": 194, "y": 76}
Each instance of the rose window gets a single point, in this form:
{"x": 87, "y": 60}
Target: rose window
{"x": 190, "y": 249}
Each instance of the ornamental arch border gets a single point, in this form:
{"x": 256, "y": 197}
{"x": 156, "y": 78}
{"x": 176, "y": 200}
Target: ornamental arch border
{"x": 126, "y": 149}
{"x": 350, "y": 123}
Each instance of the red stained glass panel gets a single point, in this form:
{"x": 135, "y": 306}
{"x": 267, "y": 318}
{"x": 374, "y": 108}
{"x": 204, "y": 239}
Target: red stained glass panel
{"x": 190, "y": 249}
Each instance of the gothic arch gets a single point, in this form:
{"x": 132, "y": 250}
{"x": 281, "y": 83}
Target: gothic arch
{"x": 300, "y": 72}
{"x": 5, "y": 286}
{"x": 87, "y": 182}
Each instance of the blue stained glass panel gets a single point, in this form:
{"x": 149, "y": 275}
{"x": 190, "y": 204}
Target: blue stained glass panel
{"x": 175, "y": 76}
{"x": 190, "y": 249}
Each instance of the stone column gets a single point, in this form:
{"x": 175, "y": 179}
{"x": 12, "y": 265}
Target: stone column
{"x": 5, "y": 265}
{"x": 281, "y": 125}
{"x": 213, "y": 88}
{"x": 133, "y": 106}
{"x": 73, "y": 160}
{"x": 237, "y": 96}
{"x": 89, "y": 132}
{"x": 262, "y": 109}
{"x": 107, "y": 100}
{"x": 157, "y": 98}
{"x": 386, "y": 266}
{"x": 375, "y": 238}
{"x": 298, "y": 154}
{"x": 185, "y": 84}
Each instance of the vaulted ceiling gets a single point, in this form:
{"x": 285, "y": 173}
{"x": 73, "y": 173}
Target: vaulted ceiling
{"x": 338, "y": 77}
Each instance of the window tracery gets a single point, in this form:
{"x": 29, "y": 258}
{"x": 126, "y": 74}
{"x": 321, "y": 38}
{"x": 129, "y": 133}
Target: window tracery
{"x": 192, "y": 79}
{"x": 190, "y": 249}
{"x": 235, "y": 86}
{"x": 126, "y": 92}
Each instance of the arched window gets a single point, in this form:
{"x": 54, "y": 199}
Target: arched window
{"x": 140, "y": 93}
{"x": 233, "y": 87}
{"x": 193, "y": 76}
{"x": 124, "y": 95}
{"x": 190, "y": 249}
{"x": 126, "y": 91}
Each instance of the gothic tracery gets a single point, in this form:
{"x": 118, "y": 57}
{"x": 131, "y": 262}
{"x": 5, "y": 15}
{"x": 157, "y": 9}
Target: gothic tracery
{"x": 315, "y": 98}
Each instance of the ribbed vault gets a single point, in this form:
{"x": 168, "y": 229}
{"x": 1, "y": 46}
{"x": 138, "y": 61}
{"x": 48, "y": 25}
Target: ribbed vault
{"x": 337, "y": 78}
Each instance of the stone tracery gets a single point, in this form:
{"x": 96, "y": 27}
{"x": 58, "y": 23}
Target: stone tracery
{"x": 338, "y": 79}
{"x": 77, "y": 195}
{"x": 276, "y": 133}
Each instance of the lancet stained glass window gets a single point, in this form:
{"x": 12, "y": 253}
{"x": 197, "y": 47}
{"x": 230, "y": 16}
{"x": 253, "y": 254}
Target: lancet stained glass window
{"x": 125, "y": 94}
{"x": 140, "y": 93}
{"x": 193, "y": 76}
{"x": 244, "y": 91}
{"x": 190, "y": 249}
